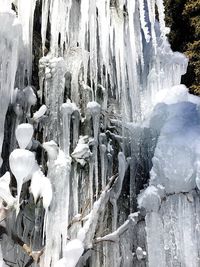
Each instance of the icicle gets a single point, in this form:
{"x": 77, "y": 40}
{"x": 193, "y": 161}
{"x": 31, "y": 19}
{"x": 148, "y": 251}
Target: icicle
{"x": 52, "y": 83}
{"x": 26, "y": 14}
{"x": 92, "y": 27}
{"x": 21, "y": 164}
{"x": 84, "y": 22}
{"x": 117, "y": 31}
{"x": 151, "y": 10}
{"x": 67, "y": 110}
{"x": 143, "y": 21}
{"x": 91, "y": 174}
{"x": 30, "y": 99}
{"x": 74, "y": 59}
{"x": 94, "y": 109}
{"x": 59, "y": 12}
{"x": 161, "y": 12}
{"x": 45, "y": 9}
{"x": 57, "y": 216}
{"x": 10, "y": 37}
{"x": 104, "y": 31}
{"x": 103, "y": 165}
{"x": 5, "y": 193}
{"x": 41, "y": 187}
{"x": 24, "y": 133}
{"x": 115, "y": 193}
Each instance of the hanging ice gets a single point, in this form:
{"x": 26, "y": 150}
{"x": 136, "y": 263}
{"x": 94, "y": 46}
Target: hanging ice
{"x": 25, "y": 14}
{"x": 41, "y": 187}
{"x": 38, "y": 114}
{"x": 24, "y": 133}
{"x": 169, "y": 222}
{"x": 57, "y": 217}
{"x": 5, "y": 193}
{"x": 22, "y": 164}
{"x": 110, "y": 98}
{"x": 10, "y": 41}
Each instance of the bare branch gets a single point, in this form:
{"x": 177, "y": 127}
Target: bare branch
{"x": 114, "y": 237}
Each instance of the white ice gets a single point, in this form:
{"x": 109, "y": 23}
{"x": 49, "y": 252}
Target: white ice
{"x": 5, "y": 193}
{"x": 22, "y": 163}
{"x": 24, "y": 133}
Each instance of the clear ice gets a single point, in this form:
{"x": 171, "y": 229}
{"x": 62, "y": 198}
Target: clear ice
{"x": 105, "y": 153}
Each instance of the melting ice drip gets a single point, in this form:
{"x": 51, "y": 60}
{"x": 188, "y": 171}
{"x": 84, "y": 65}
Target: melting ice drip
{"x": 110, "y": 84}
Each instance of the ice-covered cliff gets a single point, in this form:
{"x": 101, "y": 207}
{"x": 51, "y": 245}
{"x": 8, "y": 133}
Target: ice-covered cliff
{"x": 102, "y": 153}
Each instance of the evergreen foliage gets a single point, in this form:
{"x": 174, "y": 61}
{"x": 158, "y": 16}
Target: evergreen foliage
{"x": 183, "y": 18}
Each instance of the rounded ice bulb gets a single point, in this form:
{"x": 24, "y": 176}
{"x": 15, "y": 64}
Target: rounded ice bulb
{"x": 24, "y": 133}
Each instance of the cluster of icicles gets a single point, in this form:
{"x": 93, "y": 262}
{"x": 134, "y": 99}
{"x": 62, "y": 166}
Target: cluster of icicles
{"x": 24, "y": 167}
{"x": 107, "y": 60}
{"x": 23, "y": 163}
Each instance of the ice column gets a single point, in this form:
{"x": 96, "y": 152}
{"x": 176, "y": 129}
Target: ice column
{"x": 26, "y": 14}
{"x": 10, "y": 33}
{"x": 171, "y": 200}
{"x": 94, "y": 109}
{"x": 57, "y": 217}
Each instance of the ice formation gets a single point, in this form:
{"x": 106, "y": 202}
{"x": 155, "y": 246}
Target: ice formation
{"x": 5, "y": 193}
{"x": 41, "y": 187}
{"x": 22, "y": 163}
{"x": 10, "y": 41}
{"x": 106, "y": 129}
{"x": 38, "y": 114}
{"x": 72, "y": 253}
{"x": 24, "y": 133}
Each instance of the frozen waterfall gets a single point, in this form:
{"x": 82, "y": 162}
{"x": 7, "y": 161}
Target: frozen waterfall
{"x": 99, "y": 140}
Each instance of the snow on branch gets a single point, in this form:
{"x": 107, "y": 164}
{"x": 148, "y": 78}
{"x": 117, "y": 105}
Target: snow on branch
{"x": 90, "y": 226}
{"x": 114, "y": 236}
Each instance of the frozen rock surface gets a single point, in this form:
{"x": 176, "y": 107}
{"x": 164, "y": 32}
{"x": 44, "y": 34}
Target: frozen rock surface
{"x": 110, "y": 119}
{"x": 172, "y": 236}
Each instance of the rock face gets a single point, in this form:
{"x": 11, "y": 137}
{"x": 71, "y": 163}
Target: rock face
{"x": 105, "y": 116}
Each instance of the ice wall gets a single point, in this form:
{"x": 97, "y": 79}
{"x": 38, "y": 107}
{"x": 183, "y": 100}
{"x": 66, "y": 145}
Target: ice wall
{"x": 172, "y": 198}
{"x": 110, "y": 61}
{"x": 110, "y": 113}
{"x": 10, "y": 40}
{"x": 25, "y": 11}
